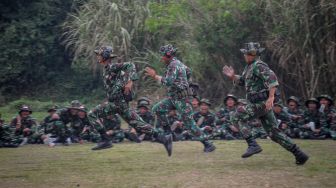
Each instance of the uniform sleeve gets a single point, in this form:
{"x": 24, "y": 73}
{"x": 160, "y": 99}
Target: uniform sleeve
{"x": 266, "y": 74}
{"x": 128, "y": 68}
{"x": 239, "y": 80}
{"x": 170, "y": 76}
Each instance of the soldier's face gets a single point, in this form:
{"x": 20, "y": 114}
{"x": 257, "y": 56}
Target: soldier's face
{"x": 292, "y": 105}
{"x": 277, "y": 109}
{"x": 81, "y": 114}
{"x": 51, "y": 112}
{"x": 73, "y": 112}
{"x": 204, "y": 108}
{"x": 312, "y": 106}
{"x": 143, "y": 110}
{"x": 24, "y": 113}
{"x": 101, "y": 60}
{"x": 172, "y": 113}
{"x": 249, "y": 58}
{"x": 325, "y": 102}
{"x": 195, "y": 103}
{"x": 230, "y": 102}
{"x": 165, "y": 59}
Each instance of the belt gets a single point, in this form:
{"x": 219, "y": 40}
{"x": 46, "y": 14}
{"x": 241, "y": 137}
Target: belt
{"x": 257, "y": 97}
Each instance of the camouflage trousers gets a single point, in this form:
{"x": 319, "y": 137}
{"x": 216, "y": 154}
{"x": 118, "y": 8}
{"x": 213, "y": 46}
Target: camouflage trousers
{"x": 184, "y": 108}
{"x": 268, "y": 120}
{"x": 121, "y": 108}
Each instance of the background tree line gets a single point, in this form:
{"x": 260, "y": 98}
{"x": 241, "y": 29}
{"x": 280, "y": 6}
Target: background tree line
{"x": 46, "y": 48}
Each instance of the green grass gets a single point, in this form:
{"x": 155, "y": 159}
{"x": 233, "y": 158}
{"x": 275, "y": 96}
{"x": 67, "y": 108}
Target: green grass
{"x": 146, "y": 165}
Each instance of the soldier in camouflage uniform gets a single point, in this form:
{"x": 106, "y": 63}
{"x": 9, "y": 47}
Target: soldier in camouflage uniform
{"x": 283, "y": 118}
{"x": 7, "y": 136}
{"x": 118, "y": 79}
{"x": 25, "y": 125}
{"x": 205, "y": 119}
{"x": 327, "y": 107}
{"x": 176, "y": 78}
{"x": 315, "y": 124}
{"x": 143, "y": 109}
{"x": 260, "y": 83}
{"x": 254, "y": 125}
{"x": 296, "y": 116}
{"x": 69, "y": 117}
{"x": 177, "y": 128}
{"x": 225, "y": 129}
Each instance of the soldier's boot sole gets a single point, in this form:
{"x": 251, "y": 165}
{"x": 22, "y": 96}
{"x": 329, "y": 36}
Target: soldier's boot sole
{"x": 168, "y": 144}
{"x": 102, "y": 146}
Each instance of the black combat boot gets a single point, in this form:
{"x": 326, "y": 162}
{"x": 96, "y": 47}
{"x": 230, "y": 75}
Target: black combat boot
{"x": 104, "y": 144}
{"x": 253, "y": 148}
{"x": 132, "y": 137}
{"x": 300, "y": 156}
{"x": 208, "y": 146}
{"x": 167, "y": 141}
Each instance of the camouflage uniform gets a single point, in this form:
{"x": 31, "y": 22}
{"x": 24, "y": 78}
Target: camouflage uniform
{"x": 296, "y": 116}
{"x": 319, "y": 121}
{"x": 26, "y": 123}
{"x": 115, "y": 77}
{"x": 207, "y": 121}
{"x": 330, "y": 115}
{"x": 258, "y": 79}
{"x": 283, "y": 120}
{"x": 176, "y": 79}
{"x": 113, "y": 123}
{"x": 224, "y": 125}
{"x": 7, "y": 136}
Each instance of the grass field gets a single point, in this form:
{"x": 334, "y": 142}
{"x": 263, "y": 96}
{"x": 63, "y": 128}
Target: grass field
{"x": 146, "y": 165}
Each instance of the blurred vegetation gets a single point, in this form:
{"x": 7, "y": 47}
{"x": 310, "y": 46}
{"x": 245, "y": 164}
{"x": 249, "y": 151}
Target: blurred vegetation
{"x": 46, "y": 48}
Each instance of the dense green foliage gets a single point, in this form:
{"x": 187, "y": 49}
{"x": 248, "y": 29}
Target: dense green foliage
{"x": 299, "y": 36}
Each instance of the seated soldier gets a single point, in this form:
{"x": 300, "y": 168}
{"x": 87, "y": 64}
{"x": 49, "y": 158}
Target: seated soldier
{"x": 195, "y": 104}
{"x": 314, "y": 122}
{"x": 7, "y": 136}
{"x": 69, "y": 118}
{"x": 225, "y": 130}
{"x": 296, "y": 116}
{"x": 87, "y": 133}
{"x": 41, "y": 129}
{"x": 25, "y": 125}
{"x": 143, "y": 110}
{"x": 55, "y": 132}
{"x": 282, "y": 117}
{"x": 205, "y": 119}
{"x": 112, "y": 125}
{"x": 329, "y": 111}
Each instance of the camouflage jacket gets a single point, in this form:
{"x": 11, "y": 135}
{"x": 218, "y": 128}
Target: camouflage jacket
{"x": 295, "y": 122}
{"x": 55, "y": 128}
{"x": 113, "y": 123}
{"x": 115, "y": 77}
{"x": 257, "y": 77}
{"x": 66, "y": 117}
{"x": 330, "y": 115}
{"x": 27, "y": 122}
{"x": 203, "y": 120}
{"x": 223, "y": 117}
{"x": 283, "y": 117}
{"x": 317, "y": 117}
{"x": 148, "y": 117}
{"x": 176, "y": 77}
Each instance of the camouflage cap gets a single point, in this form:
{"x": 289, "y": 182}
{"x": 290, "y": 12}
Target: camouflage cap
{"x": 53, "y": 108}
{"x": 242, "y": 101}
{"x": 75, "y": 104}
{"x": 312, "y": 100}
{"x": 278, "y": 104}
{"x": 83, "y": 108}
{"x": 293, "y": 98}
{"x": 328, "y": 97}
{"x": 228, "y": 96}
{"x": 25, "y": 108}
{"x": 168, "y": 50}
{"x": 106, "y": 52}
{"x": 205, "y": 101}
{"x": 252, "y": 48}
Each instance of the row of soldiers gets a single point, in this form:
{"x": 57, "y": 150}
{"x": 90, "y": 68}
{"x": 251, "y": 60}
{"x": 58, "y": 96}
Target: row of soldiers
{"x": 71, "y": 125}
